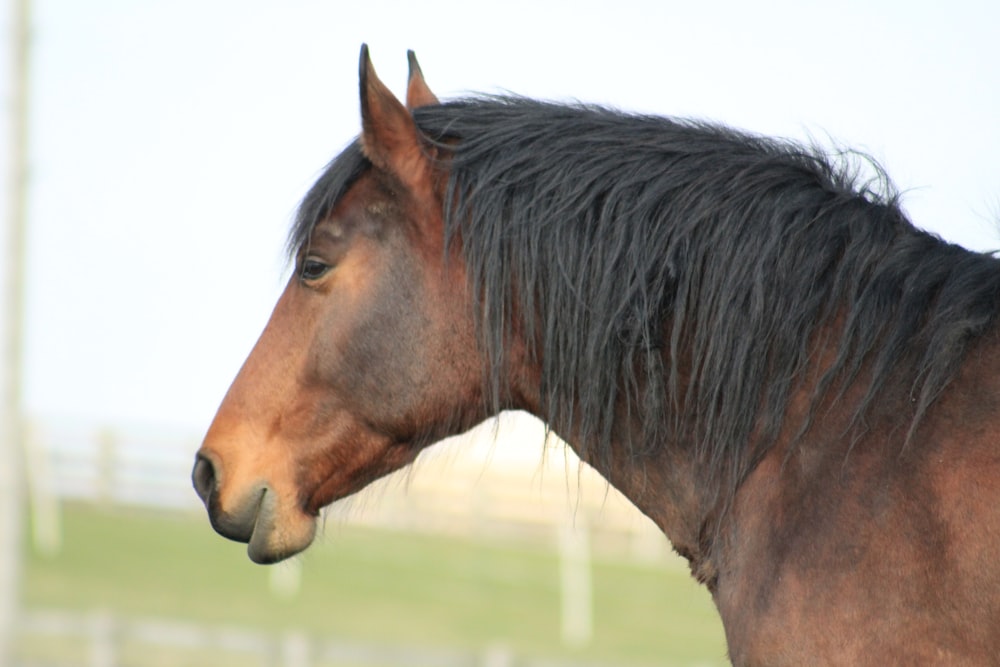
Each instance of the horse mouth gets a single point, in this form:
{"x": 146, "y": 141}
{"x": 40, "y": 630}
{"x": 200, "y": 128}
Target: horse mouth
{"x": 271, "y": 531}
{"x": 273, "y": 535}
{"x": 278, "y": 535}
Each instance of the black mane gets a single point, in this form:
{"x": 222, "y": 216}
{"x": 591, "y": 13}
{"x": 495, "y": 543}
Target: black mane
{"x": 662, "y": 265}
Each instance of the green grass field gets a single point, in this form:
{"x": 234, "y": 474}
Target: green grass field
{"x": 369, "y": 585}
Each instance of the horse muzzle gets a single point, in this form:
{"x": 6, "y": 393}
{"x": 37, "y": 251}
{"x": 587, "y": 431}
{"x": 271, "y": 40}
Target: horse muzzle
{"x": 253, "y": 516}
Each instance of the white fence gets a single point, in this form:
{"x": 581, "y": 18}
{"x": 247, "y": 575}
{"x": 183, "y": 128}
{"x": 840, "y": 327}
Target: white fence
{"x": 503, "y": 482}
{"x": 102, "y": 636}
{"x": 496, "y": 483}
{"x": 133, "y": 465}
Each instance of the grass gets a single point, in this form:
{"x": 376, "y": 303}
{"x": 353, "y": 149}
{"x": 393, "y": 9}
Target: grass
{"x": 377, "y": 586}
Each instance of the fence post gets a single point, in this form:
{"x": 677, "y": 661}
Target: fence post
{"x": 46, "y": 519}
{"x": 498, "y": 655}
{"x": 102, "y": 639}
{"x": 575, "y": 576}
{"x": 12, "y": 308}
{"x": 295, "y": 650}
{"x": 107, "y": 454}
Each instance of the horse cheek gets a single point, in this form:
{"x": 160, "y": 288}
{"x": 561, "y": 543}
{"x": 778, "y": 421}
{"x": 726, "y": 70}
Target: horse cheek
{"x": 371, "y": 364}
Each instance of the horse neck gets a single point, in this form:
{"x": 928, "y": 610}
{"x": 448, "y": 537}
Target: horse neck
{"x": 667, "y": 487}
{"x": 662, "y": 482}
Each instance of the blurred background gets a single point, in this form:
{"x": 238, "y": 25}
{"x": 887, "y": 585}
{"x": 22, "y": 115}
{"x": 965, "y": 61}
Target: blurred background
{"x": 154, "y": 156}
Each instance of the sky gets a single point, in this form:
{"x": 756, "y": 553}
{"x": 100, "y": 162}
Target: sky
{"x": 171, "y": 141}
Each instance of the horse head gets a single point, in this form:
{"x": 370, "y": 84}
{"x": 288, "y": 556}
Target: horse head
{"x": 369, "y": 354}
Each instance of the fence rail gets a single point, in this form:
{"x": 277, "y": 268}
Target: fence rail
{"x": 103, "y": 634}
{"x": 494, "y": 482}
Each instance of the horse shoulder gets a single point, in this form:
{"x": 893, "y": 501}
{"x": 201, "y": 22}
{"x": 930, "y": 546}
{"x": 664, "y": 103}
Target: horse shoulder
{"x": 874, "y": 549}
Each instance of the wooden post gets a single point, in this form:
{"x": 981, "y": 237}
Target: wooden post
{"x": 46, "y": 519}
{"x": 107, "y": 456}
{"x": 295, "y": 650}
{"x": 575, "y": 575}
{"x": 102, "y": 639}
{"x": 11, "y": 337}
{"x": 497, "y": 655}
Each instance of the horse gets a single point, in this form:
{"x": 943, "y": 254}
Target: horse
{"x": 745, "y": 335}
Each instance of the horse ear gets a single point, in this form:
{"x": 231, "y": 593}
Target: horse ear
{"x": 389, "y": 136}
{"x": 418, "y": 94}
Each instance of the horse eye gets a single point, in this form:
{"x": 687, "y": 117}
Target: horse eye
{"x": 313, "y": 269}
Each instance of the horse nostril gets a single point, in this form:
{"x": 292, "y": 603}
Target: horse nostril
{"x": 203, "y": 478}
